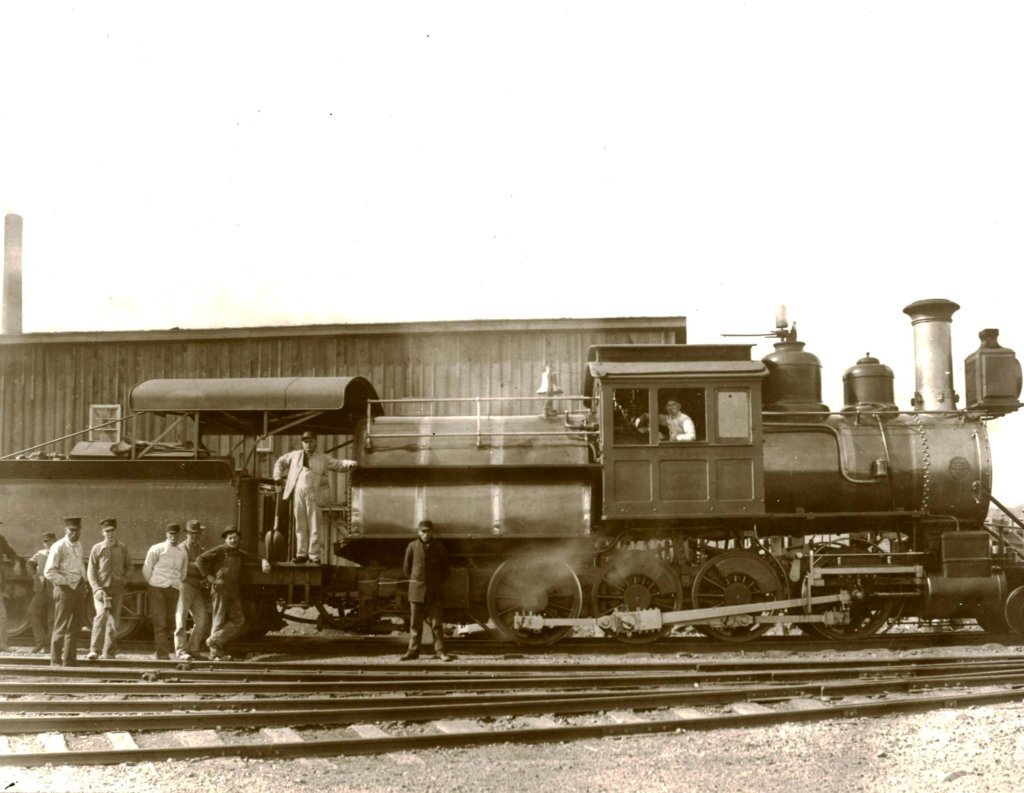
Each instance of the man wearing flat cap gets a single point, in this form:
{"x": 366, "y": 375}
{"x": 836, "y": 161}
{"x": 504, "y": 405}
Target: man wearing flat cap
{"x": 164, "y": 569}
{"x": 108, "y": 569}
{"x": 301, "y": 475}
{"x": 194, "y": 600}
{"x": 40, "y": 607}
{"x": 222, "y": 567}
{"x": 65, "y": 569}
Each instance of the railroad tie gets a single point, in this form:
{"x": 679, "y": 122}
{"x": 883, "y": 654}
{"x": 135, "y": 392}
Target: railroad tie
{"x": 199, "y": 738}
{"x": 52, "y": 742}
{"x": 280, "y": 735}
{"x": 540, "y": 722}
{"x": 749, "y": 708}
{"x": 453, "y": 726}
{"x": 368, "y": 731}
{"x": 5, "y": 745}
{"x": 807, "y": 704}
{"x": 689, "y": 713}
{"x": 625, "y": 717}
{"x": 285, "y": 735}
{"x": 373, "y": 731}
{"x": 121, "y": 741}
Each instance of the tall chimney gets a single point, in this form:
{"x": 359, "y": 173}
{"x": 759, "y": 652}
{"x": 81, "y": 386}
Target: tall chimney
{"x": 12, "y": 274}
{"x": 933, "y": 353}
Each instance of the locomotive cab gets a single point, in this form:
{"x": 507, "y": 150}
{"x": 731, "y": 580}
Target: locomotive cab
{"x": 681, "y": 431}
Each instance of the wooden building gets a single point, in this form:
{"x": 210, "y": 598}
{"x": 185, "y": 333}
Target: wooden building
{"x": 53, "y": 385}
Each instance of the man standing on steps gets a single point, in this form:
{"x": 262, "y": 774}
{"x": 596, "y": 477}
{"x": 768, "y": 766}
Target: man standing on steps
{"x": 426, "y": 567}
{"x": 301, "y": 475}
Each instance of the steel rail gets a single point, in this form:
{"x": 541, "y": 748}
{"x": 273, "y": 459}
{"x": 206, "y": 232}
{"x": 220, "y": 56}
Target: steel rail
{"x": 362, "y": 670}
{"x": 178, "y": 682}
{"x": 367, "y": 746}
{"x": 420, "y": 712}
{"x": 200, "y": 682}
{"x": 393, "y": 645}
{"x": 78, "y": 705}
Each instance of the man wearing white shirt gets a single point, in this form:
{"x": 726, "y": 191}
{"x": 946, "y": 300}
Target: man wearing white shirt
{"x": 164, "y": 569}
{"x": 65, "y": 569}
{"x": 301, "y": 475}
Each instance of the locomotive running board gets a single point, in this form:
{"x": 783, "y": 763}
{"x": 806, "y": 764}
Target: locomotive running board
{"x": 653, "y": 619}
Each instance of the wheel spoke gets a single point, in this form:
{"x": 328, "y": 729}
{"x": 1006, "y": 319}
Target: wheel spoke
{"x": 731, "y": 578}
{"x": 506, "y": 596}
{"x": 632, "y": 580}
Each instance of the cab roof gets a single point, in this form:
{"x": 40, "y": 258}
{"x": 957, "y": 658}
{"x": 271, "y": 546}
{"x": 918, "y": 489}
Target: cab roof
{"x": 660, "y": 361}
{"x": 254, "y": 405}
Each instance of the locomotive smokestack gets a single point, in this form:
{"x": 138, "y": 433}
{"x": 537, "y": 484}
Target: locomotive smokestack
{"x": 12, "y": 274}
{"x": 933, "y": 353}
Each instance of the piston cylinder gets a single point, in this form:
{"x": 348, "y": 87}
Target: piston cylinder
{"x": 946, "y": 597}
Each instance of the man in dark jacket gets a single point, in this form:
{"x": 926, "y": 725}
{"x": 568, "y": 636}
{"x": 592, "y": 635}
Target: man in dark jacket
{"x": 426, "y": 566}
{"x": 222, "y": 567}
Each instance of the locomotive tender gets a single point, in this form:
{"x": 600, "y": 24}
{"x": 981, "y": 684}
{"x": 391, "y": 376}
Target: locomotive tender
{"x": 587, "y": 514}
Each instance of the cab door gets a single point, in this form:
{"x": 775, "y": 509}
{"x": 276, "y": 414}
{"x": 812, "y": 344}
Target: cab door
{"x": 651, "y": 471}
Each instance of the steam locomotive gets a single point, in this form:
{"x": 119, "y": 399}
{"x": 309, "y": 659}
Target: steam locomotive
{"x": 587, "y": 512}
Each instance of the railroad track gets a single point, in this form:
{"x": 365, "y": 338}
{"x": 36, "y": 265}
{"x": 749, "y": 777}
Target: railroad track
{"x": 329, "y": 643}
{"x": 116, "y": 715}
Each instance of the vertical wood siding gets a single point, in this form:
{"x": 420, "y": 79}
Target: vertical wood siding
{"x": 46, "y": 388}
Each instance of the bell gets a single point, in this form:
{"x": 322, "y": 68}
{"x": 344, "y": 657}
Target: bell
{"x": 549, "y": 388}
{"x": 549, "y": 383}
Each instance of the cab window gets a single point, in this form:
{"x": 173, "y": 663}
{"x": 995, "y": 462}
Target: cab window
{"x": 734, "y": 417}
{"x": 682, "y": 415}
{"x": 631, "y": 420}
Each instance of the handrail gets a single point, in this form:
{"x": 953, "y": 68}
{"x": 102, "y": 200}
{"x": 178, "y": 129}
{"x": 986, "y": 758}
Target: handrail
{"x": 478, "y": 399}
{"x": 559, "y": 433}
{"x": 1016, "y": 543}
{"x": 477, "y": 415}
{"x": 72, "y": 435}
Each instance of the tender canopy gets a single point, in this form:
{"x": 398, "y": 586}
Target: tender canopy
{"x": 241, "y": 405}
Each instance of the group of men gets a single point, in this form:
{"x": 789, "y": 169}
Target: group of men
{"x": 184, "y": 580}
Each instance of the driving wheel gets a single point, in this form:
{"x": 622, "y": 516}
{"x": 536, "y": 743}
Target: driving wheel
{"x": 632, "y": 582}
{"x": 734, "y": 578}
{"x": 533, "y": 585}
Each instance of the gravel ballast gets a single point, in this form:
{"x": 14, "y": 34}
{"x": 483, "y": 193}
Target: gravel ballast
{"x": 968, "y": 749}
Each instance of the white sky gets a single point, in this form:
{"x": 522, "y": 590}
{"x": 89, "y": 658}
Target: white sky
{"x": 214, "y": 164}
